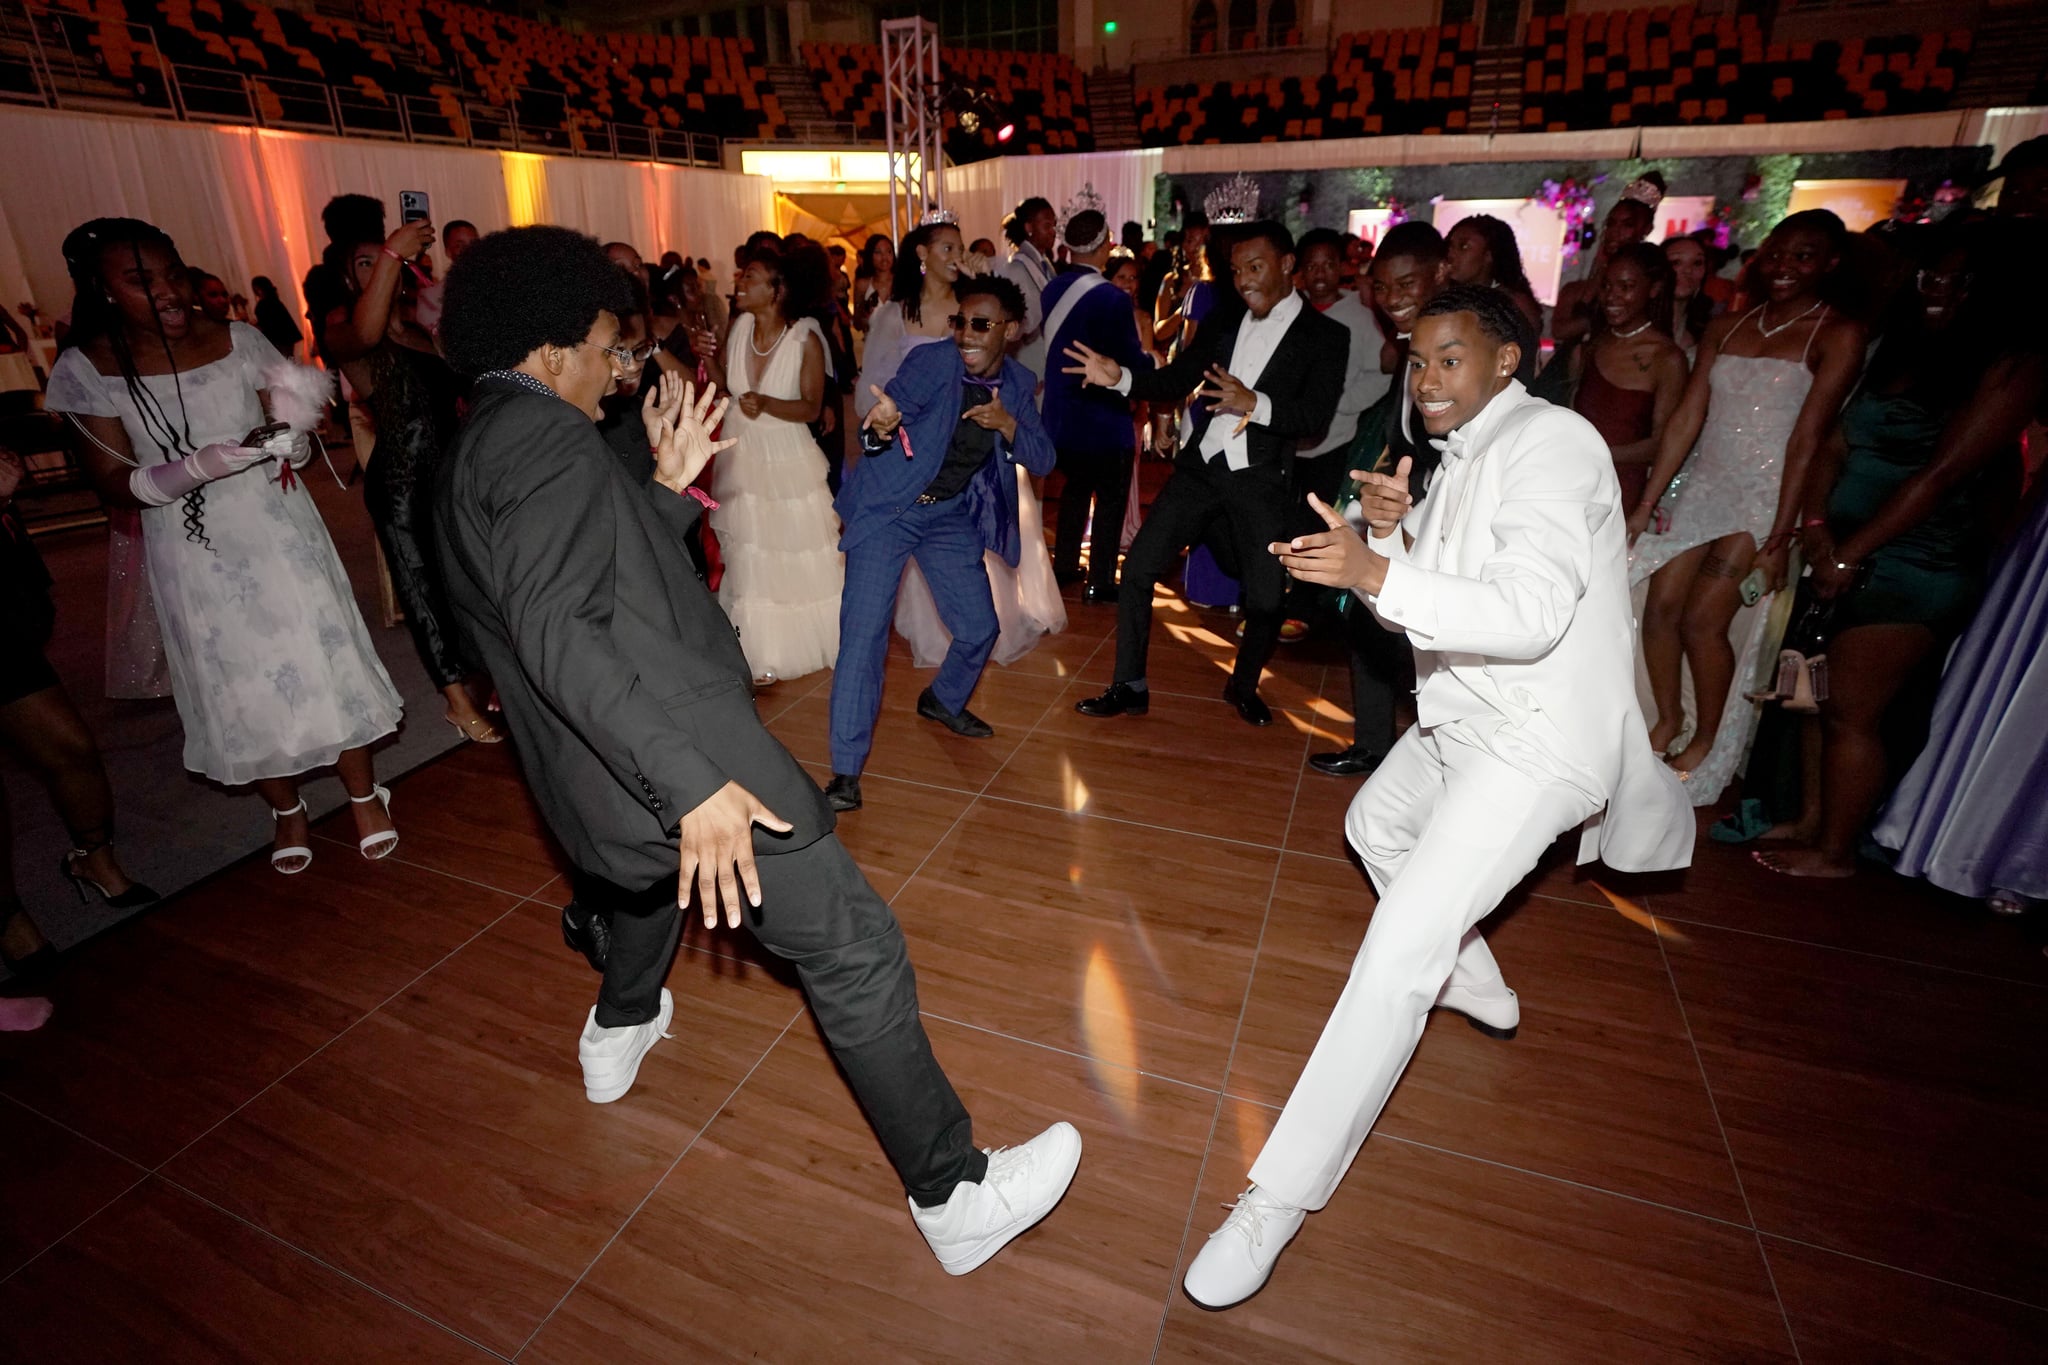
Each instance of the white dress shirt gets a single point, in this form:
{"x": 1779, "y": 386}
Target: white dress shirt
{"x": 1257, "y": 339}
{"x": 1364, "y": 384}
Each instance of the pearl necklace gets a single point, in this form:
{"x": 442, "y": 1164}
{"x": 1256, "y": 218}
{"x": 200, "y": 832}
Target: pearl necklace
{"x": 1643, "y": 327}
{"x": 754, "y": 343}
{"x": 1763, "y": 311}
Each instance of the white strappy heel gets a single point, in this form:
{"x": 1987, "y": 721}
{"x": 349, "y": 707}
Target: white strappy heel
{"x": 280, "y": 856}
{"x": 375, "y": 846}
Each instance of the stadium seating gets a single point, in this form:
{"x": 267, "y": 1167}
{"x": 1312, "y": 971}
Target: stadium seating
{"x": 1416, "y": 80}
{"x": 1041, "y": 93}
{"x": 1616, "y": 68}
{"x": 1667, "y": 66}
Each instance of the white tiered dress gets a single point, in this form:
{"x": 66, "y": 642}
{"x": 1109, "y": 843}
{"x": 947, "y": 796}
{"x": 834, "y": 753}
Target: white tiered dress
{"x": 775, "y": 523}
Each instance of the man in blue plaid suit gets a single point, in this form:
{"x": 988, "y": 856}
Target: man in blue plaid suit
{"x": 934, "y": 480}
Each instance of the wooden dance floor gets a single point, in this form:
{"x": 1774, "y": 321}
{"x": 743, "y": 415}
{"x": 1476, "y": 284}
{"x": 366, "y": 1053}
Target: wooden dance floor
{"x": 339, "y": 1118}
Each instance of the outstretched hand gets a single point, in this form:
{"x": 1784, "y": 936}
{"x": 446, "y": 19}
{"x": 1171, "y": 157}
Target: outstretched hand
{"x": 884, "y": 417}
{"x": 717, "y": 852}
{"x": 1383, "y": 499}
{"x": 993, "y": 416}
{"x": 1229, "y": 394}
{"x": 1093, "y": 366}
{"x": 1336, "y": 558}
{"x": 679, "y": 423}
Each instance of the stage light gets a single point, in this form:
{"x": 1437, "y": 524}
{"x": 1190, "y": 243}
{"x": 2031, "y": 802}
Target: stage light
{"x": 1109, "y": 27}
{"x": 1004, "y": 133}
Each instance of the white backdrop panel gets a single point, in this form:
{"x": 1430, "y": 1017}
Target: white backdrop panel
{"x": 983, "y": 192}
{"x": 243, "y": 202}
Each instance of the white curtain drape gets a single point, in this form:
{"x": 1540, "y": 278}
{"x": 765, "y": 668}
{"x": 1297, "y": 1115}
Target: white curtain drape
{"x": 983, "y": 192}
{"x": 243, "y": 202}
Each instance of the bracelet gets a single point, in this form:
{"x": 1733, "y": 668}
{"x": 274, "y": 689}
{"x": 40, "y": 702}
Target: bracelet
{"x": 392, "y": 254}
{"x": 1813, "y": 521}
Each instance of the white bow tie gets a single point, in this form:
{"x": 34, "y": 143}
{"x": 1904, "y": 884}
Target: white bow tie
{"x": 1453, "y": 446}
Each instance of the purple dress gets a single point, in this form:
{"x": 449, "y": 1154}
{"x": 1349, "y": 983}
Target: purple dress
{"x": 1972, "y": 815}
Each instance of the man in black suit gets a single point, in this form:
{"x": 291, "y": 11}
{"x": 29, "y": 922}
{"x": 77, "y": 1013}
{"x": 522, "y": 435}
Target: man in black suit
{"x": 1269, "y": 378}
{"x": 632, "y": 708}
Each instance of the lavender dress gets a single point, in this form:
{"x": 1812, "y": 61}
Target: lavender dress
{"x": 1972, "y": 815}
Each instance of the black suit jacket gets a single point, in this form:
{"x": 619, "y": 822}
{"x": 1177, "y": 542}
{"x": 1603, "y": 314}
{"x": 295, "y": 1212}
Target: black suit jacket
{"x": 1305, "y": 378}
{"x": 627, "y": 692}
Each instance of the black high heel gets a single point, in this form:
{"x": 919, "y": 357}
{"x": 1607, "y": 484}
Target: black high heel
{"x": 34, "y": 964}
{"x": 136, "y": 895}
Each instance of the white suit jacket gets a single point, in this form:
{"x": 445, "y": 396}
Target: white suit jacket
{"x": 1517, "y": 583}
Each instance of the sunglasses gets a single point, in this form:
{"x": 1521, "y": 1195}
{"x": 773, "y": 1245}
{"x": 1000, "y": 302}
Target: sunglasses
{"x": 628, "y": 357}
{"x": 979, "y": 326}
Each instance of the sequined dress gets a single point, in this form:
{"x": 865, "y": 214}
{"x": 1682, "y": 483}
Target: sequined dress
{"x": 1730, "y": 485}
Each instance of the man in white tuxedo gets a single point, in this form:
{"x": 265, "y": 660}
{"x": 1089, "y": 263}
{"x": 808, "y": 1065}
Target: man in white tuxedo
{"x": 1510, "y": 581}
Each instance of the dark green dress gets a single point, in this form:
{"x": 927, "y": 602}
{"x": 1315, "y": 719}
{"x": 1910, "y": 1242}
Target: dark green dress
{"x": 1930, "y": 574}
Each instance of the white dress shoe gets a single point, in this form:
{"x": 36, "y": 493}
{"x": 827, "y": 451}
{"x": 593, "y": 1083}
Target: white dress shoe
{"x": 1495, "y": 1011}
{"x": 1021, "y": 1187}
{"x": 611, "y": 1056}
{"x": 1239, "y": 1257}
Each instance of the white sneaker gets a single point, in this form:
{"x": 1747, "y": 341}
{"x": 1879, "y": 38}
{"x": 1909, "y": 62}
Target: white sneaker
{"x": 1495, "y": 1012}
{"x": 611, "y": 1056}
{"x": 1239, "y": 1256}
{"x": 1021, "y": 1187}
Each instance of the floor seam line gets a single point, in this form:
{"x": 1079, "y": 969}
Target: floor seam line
{"x": 1734, "y": 1166}
{"x": 71, "y": 1231}
{"x": 1236, "y": 1035}
{"x": 348, "y": 1028}
{"x": 1903, "y": 1270}
{"x": 1069, "y": 1052}
{"x": 1856, "y": 952}
{"x": 308, "y": 1255}
{"x": 655, "y": 1188}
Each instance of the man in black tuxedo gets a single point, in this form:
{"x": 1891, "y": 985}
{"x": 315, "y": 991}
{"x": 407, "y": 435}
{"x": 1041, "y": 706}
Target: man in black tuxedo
{"x": 632, "y": 708}
{"x": 1268, "y": 379}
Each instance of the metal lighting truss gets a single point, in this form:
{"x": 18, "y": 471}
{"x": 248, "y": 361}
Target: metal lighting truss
{"x": 910, "y": 85}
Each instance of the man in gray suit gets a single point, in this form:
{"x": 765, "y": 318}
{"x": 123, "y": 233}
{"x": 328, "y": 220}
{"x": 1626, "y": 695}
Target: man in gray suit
{"x": 632, "y": 708}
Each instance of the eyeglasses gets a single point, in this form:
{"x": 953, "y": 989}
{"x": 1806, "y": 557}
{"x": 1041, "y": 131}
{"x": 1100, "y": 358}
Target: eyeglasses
{"x": 1935, "y": 282}
{"x": 978, "y": 326}
{"x": 628, "y": 357}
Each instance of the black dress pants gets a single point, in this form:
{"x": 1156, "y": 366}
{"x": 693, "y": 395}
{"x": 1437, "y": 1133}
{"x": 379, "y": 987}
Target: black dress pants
{"x": 1250, "y": 509}
{"x": 1382, "y": 668}
{"x": 1103, "y": 476}
{"x": 819, "y": 914}
{"x": 1325, "y": 476}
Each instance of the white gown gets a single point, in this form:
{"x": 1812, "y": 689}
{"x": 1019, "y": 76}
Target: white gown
{"x": 1027, "y": 598}
{"x": 775, "y": 523}
{"x": 270, "y": 662}
{"x": 1731, "y": 484}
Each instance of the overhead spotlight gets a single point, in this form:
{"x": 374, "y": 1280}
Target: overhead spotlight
{"x": 1006, "y": 132}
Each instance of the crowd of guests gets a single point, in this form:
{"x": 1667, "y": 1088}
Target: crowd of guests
{"x": 1819, "y": 448}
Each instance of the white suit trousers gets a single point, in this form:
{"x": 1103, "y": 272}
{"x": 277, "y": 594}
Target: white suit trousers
{"x": 1446, "y": 829}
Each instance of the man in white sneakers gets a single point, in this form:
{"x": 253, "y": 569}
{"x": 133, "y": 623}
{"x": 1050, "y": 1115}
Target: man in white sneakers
{"x": 631, "y": 705}
{"x": 1510, "y": 581}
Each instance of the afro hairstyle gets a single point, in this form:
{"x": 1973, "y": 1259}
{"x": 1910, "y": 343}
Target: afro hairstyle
{"x": 516, "y": 291}
{"x": 1003, "y": 290}
{"x": 1498, "y": 316}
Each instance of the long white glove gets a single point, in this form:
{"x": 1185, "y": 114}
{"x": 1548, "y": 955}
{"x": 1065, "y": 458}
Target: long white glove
{"x": 159, "y": 485}
{"x": 293, "y": 447}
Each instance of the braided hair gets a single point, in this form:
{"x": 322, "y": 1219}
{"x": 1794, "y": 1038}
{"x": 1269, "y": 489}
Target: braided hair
{"x": 94, "y": 316}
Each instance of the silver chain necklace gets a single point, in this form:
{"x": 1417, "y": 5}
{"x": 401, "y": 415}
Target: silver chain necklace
{"x": 1763, "y": 311}
{"x": 1638, "y": 330}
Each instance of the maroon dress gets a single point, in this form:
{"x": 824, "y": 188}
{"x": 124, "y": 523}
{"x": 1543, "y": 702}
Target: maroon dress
{"x": 1621, "y": 416}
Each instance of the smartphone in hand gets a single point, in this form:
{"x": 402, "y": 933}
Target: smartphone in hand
{"x": 412, "y": 207}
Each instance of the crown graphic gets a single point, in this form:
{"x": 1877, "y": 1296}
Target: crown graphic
{"x": 935, "y": 217}
{"x": 1085, "y": 200}
{"x": 1236, "y": 200}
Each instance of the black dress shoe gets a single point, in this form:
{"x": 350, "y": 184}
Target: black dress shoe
{"x": 1351, "y": 762}
{"x": 1101, "y": 597}
{"x": 963, "y": 722}
{"x": 1119, "y": 700}
{"x": 843, "y": 792}
{"x": 586, "y": 932}
{"x": 1250, "y": 709}
{"x": 1067, "y": 578}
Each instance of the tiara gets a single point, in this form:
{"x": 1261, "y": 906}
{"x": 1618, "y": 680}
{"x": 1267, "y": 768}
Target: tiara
{"x": 1236, "y": 200}
{"x": 939, "y": 217}
{"x": 1085, "y": 200}
{"x": 1644, "y": 192}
